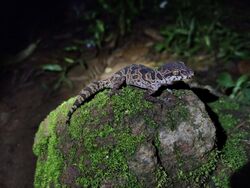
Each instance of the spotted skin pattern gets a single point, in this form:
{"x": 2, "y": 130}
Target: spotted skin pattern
{"x": 139, "y": 76}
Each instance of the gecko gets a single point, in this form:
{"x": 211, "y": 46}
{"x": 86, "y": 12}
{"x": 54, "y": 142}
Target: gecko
{"x": 136, "y": 75}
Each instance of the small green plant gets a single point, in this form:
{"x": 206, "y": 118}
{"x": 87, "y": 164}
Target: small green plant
{"x": 72, "y": 48}
{"x": 191, "y": 34}
{"x": 109, "y": 16}
{"x": 62, "y": 71}
{"x": 52, "y": 67}
{"x": 114, "y": 19}
{"x": 123, "y": 12}
{"x": 98, "y": 31}
{"x": 240, "y": 89}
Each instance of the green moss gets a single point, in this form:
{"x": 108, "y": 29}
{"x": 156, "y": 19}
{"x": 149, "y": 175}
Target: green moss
{"x": 222, "y": 180}
{"x": 83, "y": 114}
{"x": 72, "y": 155}
{"x": 224, "y": 108}
{"x": 157, "y": 142}
{"x": 104, "y": 141}
{"x": 178, "y": 114}
{"x": 162, "y": 178}
{"x": 107, "y": 161}
{"x": 228, "y": 121}
{"x": 151, "y": 123}
{"x": 178, "y": 92}
{"x": 181, "y": 112}
{"x": 129, "y": 103}
{"x": 50, "y": 161}
{"x": 233, "y": 155}
{"x": 224, "y": 104}
{"x": 96, "y": 162}
{"x": 199, "y": 175}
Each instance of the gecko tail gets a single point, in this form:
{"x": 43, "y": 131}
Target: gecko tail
{"x": 85, "y": 93}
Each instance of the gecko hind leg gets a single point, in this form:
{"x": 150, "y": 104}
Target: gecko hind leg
{"x": 116, "y": 86}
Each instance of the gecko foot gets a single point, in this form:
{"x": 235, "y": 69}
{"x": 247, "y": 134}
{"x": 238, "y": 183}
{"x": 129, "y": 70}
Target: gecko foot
{"x": 114, "y": 92}
{"x": 152, "y": 99}
{"x": 158, "y": 101}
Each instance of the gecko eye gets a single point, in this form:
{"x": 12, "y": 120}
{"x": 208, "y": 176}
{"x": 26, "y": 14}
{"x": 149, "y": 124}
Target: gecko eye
{"x": 175, "y": 72}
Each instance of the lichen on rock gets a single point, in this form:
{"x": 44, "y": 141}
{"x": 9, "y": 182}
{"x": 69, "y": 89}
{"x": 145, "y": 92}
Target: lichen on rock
{"x": 125, "y": 140}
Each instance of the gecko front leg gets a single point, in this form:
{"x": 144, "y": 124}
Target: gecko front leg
{"x": 148, "y": 95}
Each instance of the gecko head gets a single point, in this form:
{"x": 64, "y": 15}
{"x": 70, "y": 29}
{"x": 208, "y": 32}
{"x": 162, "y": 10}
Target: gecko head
{"x": 175, "y": 71}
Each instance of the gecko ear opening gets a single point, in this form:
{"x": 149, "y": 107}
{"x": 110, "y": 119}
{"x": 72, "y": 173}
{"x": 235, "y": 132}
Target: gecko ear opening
{"x": 175, "y": 72}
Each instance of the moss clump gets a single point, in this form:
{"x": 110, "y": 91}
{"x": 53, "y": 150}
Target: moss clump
{"x": 233, "y": 155}
{"x": 94, "y": 163}
{"x": 228, "y": 121}
{"x": 50, "y": 161}
{"x": 225, "y": 107}
{"x": 151, "y": 123}
{"x": 108, "y": 161}
{"x": 162, "y": 178}
{"x": 180, "y": 113}
{"x": 129, "y": 102}
{"x": 83, "y": 115}
{"x": 199, "y": 175}
{"x": 224, "y": 104}
{"x": 177, "y": 115}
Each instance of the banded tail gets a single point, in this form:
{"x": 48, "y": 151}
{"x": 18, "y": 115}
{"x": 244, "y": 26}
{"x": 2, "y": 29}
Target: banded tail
{"x": 85, "y": 93}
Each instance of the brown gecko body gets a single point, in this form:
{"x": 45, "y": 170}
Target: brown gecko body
{"x": 136, "y": 75}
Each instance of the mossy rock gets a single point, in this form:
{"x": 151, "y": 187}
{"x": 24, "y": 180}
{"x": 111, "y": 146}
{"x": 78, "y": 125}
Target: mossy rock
{"x": 126, "y": 141}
